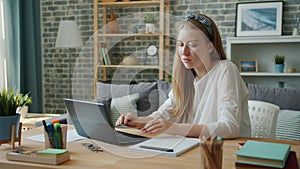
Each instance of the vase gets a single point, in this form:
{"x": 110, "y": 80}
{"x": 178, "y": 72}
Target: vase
{"x": 150, "y": 28}
{"x": 130, "y": 60}
{"x": 113, "y": 24}
{"x": 6, "y": 122}
{"x": 295, "y": 32}
{"x": 279, "y": 68}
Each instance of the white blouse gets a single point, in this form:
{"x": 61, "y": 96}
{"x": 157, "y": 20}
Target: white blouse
{"x": 220, "y": 102}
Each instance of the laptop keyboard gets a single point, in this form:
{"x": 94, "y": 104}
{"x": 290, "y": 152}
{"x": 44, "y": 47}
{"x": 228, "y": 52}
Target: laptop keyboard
{"x": 128, "y": 138}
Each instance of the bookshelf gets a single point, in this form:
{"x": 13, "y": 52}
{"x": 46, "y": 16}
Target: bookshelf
{"x": 263, "y": 49}
{"x": 163, "y": 40}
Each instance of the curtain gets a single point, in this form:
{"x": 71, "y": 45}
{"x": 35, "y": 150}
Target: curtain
{"x": 20, "y": 49}
{"x": 3, "y": 81}
{"x": 31, "y": 69}
{"x": 10, "y": 44}
{"x": 13, "y": 37}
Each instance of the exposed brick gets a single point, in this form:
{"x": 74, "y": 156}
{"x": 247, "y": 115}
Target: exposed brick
{"x": 55, "y": 61}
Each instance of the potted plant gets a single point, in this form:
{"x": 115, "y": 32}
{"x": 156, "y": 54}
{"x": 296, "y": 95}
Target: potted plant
{"x": 24, "y": 102}
{"x": 150, "y": 20}
{"x": 279, "y": 63}
{"x": 10, "y": 100}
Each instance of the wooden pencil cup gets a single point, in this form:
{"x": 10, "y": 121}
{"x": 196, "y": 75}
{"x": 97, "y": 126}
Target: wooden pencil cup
{"x": 211, "y": 154}
{"x": 64, "y": 129}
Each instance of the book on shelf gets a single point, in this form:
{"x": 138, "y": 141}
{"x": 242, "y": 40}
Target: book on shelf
{"x": 103, "y": 51}
{"x": 105, "y": 56}
{"x": 263, "y": 154}
{"x": 291, "y": 163}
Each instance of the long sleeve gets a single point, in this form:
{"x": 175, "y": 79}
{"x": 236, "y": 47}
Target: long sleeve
{"x": 221, "y": 102}
{"x": 162, "y": 110}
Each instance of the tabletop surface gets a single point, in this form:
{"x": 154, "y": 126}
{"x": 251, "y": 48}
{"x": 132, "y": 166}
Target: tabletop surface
{"x": 116, "y": 157}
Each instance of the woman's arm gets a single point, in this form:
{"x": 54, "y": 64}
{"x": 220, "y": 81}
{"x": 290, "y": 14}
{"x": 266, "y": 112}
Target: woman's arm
{"x": 182, "y": 129}
{"x": 132, "y": 120}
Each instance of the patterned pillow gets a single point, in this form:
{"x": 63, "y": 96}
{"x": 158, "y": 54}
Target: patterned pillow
{"x": 147, "y": 103}
{"x": 288, "y": 127}
{"x": 125, "y": 104}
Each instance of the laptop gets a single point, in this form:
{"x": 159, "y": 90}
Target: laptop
{"x": 91, "y": 120}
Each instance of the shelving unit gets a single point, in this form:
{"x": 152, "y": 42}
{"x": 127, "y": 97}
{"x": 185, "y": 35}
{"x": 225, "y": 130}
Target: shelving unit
{"x": 162, "y": 34}
{"x": 263, "y": 49}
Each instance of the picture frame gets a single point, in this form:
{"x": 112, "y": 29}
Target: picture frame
{"x": 248, "y": 66}
{"x": 259, "y": 18}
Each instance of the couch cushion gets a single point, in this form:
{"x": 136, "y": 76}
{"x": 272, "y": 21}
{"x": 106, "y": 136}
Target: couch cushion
{"x": 163, "y": 90}
{"x": 283, "y": 97}
{"x": 147, "y": 103}
{"x": 288, "y": 127}
{"x": 125, "y": 104}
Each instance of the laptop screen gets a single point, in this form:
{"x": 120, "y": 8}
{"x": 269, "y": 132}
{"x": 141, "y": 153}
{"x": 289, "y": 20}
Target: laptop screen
{"x": 90, "y": 119}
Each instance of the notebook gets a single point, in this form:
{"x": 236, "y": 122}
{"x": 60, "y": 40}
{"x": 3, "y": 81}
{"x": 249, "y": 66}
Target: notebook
{"x": 166, "y": 145}
{"x": 91, "y": 120}
{"x": 291, "y": 163}
{"x": 263, "y": 153}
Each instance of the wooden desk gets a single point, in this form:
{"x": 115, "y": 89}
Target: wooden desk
{"x": 81, "y": 157}
{"x": 32, "y": 118}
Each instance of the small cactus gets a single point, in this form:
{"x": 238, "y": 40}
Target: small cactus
{"x": 279, "y": 59}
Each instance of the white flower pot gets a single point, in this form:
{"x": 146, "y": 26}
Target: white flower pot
{"x": 150, "y": 28}
{"x": 23, "y": 111}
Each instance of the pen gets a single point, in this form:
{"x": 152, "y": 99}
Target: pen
{"x": 50, "y": 134}
{"x": 157, "y": 148}
{"x": 55, "y": 121}
{"x": 45, "y": 126}
{"x": 58, "y": 136}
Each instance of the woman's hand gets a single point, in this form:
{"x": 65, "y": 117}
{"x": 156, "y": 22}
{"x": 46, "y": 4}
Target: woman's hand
{"x": 157, "y": 126}
{"x": 127, "y": 119}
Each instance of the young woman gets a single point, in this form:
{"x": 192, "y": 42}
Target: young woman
{"x": 208, "y": 96}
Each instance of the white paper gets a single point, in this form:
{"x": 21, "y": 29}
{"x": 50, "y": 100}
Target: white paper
{"x": 178, "y": 144}
{"x": 72, "y": 135}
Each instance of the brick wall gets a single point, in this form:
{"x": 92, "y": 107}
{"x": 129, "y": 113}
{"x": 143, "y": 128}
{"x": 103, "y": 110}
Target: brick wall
{"x": 56, "y": 61}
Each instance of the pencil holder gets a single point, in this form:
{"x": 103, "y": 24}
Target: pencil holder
{"x": 211, "y": 154}
{"x": 55, "y": 142}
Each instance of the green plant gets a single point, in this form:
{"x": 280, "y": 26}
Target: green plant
{"x": 149, "y": 18}
{"x": 279, "y": 59}
{"x": 10, "y": 100}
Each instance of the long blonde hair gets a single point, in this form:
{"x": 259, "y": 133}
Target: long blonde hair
{"x": 183, "y": 78}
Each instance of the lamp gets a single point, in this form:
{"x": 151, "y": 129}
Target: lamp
{"x": 68, "y": 36}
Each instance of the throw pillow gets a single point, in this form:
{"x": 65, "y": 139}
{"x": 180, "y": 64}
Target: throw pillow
{"x": 125, "y": 104}
{"x": 147, "y": 103}
{"x": 163, "y": 90}
{"x": 107, "y": 104}
{"x": 288, "y": 127}
{"x": 285, "y": 98}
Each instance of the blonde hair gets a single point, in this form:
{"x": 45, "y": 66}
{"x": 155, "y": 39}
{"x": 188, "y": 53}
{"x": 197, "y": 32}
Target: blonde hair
{"x": 183, "y": 78}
